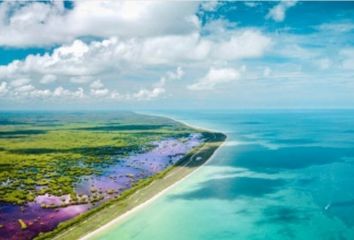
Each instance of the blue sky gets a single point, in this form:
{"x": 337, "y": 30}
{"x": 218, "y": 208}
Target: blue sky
{"x": 176, "y": 55}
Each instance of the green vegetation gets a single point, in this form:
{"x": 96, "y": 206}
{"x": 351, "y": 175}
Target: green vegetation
{"x": 22, "y": 224}
{"x": 130, "y": 198}
{"x": 49, "y": 152}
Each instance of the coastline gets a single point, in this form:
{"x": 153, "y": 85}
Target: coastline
{"x": 178, "y": 120}
{"x": 125, "y": 215}
{"x": 143, "y": 195}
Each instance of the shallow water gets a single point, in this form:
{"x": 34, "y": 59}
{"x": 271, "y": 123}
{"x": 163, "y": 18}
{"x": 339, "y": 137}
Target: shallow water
{"x": 280, "y": 175}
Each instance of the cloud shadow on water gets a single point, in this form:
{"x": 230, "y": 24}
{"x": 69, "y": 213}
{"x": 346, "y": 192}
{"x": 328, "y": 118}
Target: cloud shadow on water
{"x": 295, "y": 141}
{"x": 282, "y": 215}
{"x": 233, "y": 188}
{"x": 261, "y": 159}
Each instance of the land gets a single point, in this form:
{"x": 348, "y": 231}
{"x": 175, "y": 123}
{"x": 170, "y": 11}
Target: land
{"x": 54, "y": 152}
{"x": 48, "y": 154}
{"x": 139, "y": 195}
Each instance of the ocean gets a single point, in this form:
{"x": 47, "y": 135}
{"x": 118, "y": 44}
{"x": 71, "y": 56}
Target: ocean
{"x": 279, "y": 175}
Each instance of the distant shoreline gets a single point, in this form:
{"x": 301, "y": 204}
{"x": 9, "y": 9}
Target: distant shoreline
{"x": 177, "y": 120}
{"x": 147, "y": 193}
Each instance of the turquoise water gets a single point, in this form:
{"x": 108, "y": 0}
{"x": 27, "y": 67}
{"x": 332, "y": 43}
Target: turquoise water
{"x": 280, "y": 175}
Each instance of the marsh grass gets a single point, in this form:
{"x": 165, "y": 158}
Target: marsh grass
{"x": 54, "y": 150}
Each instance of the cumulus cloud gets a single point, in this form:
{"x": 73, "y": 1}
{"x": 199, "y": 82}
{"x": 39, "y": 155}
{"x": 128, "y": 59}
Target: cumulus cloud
{"x": 3, "y": 88}
{"x": 178, "y": 74}
{"x": 251, "y": 4}
{"x": 48, "y": 78}
{"x": 129, "y": 37}
{"x": 49, "y": 22}
{"x": 336, "y": 27}
{"x": 19, "y": 82}
{"x": 62, "y": 92}
{"x": 244, "y": 44}
{"x": 141, "y": 95}
{"x": 81, "y": 79}
{"x": 24, "y": 88}
{"x": 21, "y": 88}
{"x": 79, "y": 62}
{"x": 214, "y": 77}
{"x": 29, "y": 91}
{"x": 147, "y": 94}
{"x": 100, "y": 92}
{"x": 278, "y": 12}
{"x": 98, "y": 89}
{"x": 96, "y": 84}
{"x": 211, "y": 5}
{"x": 158, "y": 90}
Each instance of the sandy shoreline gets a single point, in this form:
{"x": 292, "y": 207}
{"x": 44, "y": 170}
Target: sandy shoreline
{"x": 122, "y": 217}
{"x": 178, "y": 120}
{"x": 93, "y": 223}
{"x": 144, "y": 204}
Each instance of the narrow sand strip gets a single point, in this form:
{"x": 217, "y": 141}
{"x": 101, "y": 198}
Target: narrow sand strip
{"x": 122, "y": 217}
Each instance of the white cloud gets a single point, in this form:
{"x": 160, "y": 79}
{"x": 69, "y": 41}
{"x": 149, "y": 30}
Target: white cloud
{"x": 20, "y": 88}
{"x": 62, "y": 92}
{"x": 96, "y": 84}
{"x": 146, "y": 94}
{"x": 210, "y": 6}
{"x": 251, "y": 4}
{"x": 178, "y": 74}
{"x": 46, "y": 23}
{"x": 24, "y": 88}
{"x": 277, "y": 13}
{"x": 48, "y": 78}
{"x": 3, "y": 88}
{"x": 158, "y": 89}
{"x": 218, "y": 27}
{"x": 29, "y": 91}
{"x": 131, "y": 37}
{"x": 98, "y": 89}
{"x": 214, "y": 77}
{"x": 81, "y": 62}
{"x": 141, "y": 95}
{"x": 101, "y": 92}
{"x": 245, "y": 44}
{"x": 336, "y": 27}
{"x": 19, "y": 82}
{"x": 291, "y": 49}
{"x": 81, "y": 79}
{"x": 41, "y": 93}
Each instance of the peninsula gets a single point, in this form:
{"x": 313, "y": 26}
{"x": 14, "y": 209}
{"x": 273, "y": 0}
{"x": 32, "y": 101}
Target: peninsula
{"x": 66, "y": 174}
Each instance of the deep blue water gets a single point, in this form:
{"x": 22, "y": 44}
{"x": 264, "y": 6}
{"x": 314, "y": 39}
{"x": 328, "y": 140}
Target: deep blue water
{"x": 280, "y": 175}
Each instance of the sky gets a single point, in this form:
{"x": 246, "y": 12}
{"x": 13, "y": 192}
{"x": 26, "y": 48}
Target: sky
{"x": 98, "y": 54}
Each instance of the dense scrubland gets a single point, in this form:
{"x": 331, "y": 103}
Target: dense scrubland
{"x": 48, "y": 152}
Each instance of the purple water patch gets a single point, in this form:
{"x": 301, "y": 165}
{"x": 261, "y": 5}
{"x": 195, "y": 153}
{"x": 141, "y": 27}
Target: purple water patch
{"x": 47, "y": 211}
